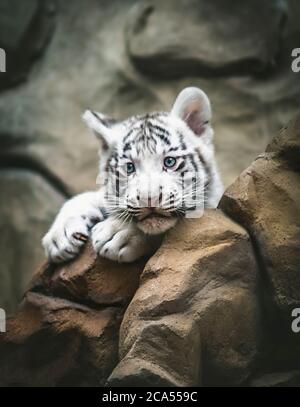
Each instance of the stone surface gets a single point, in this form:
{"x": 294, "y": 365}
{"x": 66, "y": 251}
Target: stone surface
{"x": 265, "y": 200}
{"x": 25, "y": 29}
{"x": 200, "y": 38}
{"x": 66, "y": 332}
{"x": 182, "y": 322}
{"x": 180, "y": 328}
{"x": 27, "y": 206}
{"x": 281, "y": 379}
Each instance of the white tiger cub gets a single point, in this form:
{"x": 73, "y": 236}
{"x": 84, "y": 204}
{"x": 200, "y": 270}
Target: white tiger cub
{"x": 143, "y": 163}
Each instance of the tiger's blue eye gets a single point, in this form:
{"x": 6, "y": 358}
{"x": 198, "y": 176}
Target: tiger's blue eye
{"x": 169, "y": 162}
{"x": 130, "y": 168}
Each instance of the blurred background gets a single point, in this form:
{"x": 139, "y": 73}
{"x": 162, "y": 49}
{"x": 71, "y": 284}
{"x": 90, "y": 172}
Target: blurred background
{"x": 124, "y": 57}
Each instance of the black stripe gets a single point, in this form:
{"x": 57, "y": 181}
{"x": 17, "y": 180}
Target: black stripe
{"x": 180, "y": 166}
{"x": 173, "y": 149}
{"x": 163, "y": 138}
{"x": 182, "y": 143}
{"x": 117, "y": 184}
{"x": 106, "y": 121}
{"x": 202, "y": 160}
{"x": 128, "y": 135}
{"x": 193, "y": 162}
{"x": 127, "y": 147}
{"x": 208, "y": 172}
{"x": 159, "y": 129}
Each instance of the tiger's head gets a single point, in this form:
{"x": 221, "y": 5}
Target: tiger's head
{"x": 157, "y": 168}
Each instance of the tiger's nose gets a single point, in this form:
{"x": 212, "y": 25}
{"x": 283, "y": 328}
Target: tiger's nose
{"x": 152, "y": 202}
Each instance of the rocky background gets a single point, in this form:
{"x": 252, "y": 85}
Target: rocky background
{"x": 214, "y": 306}
{"x": 124, "y": 57}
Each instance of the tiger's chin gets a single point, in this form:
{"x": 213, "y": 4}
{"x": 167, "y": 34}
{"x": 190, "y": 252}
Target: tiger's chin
{"x": 156, "y": 224}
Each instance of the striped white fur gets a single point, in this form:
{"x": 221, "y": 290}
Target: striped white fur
{"x": 154, "y": 170}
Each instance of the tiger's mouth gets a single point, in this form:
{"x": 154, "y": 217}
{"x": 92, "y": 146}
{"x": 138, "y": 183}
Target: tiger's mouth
{"x": 152, "y": 215}
{"x": 155, "y": 222}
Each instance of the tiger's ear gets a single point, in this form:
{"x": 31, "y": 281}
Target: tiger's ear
{"x": 102, "y": 126}
{"x": 193, "y": 107}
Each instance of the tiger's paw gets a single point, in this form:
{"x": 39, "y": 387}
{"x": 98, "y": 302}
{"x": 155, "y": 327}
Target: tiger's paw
{"x": 119, "y": 241}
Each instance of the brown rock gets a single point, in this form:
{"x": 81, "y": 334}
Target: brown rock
{"x": 66, "y": 332}
{"x": 265, "y": 199}
{"x": 278, "y": 379}
{"x": 195, "y": 313}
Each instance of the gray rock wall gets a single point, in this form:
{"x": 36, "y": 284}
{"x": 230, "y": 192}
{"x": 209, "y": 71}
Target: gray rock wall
{"x": 124, "y": 57}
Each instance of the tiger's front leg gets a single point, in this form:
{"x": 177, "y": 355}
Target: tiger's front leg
{"x": 72, "y": 226}
{"x": 122, "y": 241}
